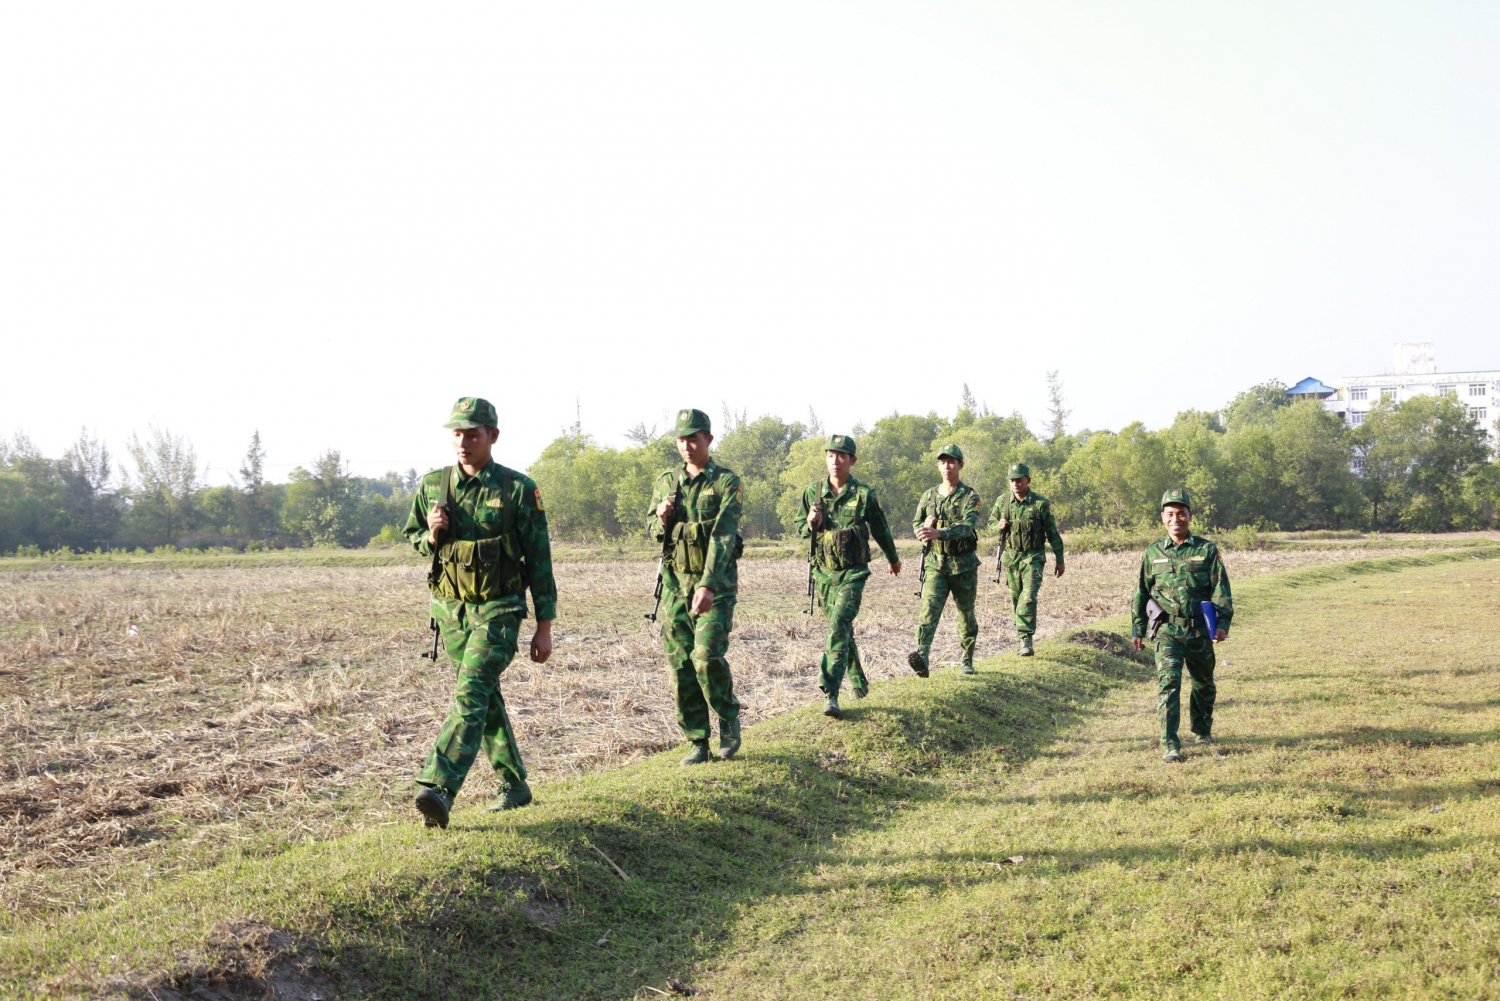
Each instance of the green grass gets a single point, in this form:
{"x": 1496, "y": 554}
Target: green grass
{"x": 867, "y": 858}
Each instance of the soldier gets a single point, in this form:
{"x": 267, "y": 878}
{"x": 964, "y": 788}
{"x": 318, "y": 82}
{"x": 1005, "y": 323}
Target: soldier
{"x": 1177, "y": 574}
{"x": 947, "y": 523}
{"x": 1026, "y": 527}
{"x": 841, "y": 514}
{"x": 695, "y": 513}
{"x": 486, "y": 531}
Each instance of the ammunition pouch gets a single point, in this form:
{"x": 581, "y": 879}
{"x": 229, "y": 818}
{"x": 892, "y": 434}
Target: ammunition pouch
{"x": 957, "y": 547}
{"x": 688, "y": 549}
{"x": 844, "y": 548}
{"x": 483, "y": 569}
{"x": 1025, "y": 536}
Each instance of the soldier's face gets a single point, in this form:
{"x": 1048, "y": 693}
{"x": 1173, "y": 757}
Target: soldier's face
{"x": 949, "y": 467}
{"x": 838, "y": 464}
{"x": 473, "y": 445}
{"x": 1020, "y": 486}
{"x": 1176, "y": 517}
{"x": 694, "y": 448}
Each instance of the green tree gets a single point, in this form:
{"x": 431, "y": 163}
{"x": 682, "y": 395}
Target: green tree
{"x": 164, "y": 487}
{"x": 1313, "y": 459}
{"x": 1115, "y": 479}
{"x": 324, "y": 505}
{"x": 578, "y": 479}
{"x": 1416, "y": 456}
{"x": 898, "y": 458}
{"x": 757, "y": 451}
{"x": 1256, "y": 405}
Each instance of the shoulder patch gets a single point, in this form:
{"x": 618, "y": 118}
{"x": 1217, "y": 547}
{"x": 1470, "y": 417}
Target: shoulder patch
{"x": 537, "y": 494}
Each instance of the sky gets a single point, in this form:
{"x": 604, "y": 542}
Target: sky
{"x": 326, "y": 221}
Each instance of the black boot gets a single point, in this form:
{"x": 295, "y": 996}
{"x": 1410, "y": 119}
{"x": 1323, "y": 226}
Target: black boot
{"x": 700, "y": 754}
{"x": 434, "y": 805}
{"x": 729, "y": 737}
{"x": 917, "y": 662}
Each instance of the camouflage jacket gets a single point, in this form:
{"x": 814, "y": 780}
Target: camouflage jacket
{"x": 496, "y": 545}
{"x": 1179, "y": 577}
{"x": 851, "y": 517}
{"x": 1032, "y": 525}
{"x": 704, "y": 529}
{"x": 957, "y": 521}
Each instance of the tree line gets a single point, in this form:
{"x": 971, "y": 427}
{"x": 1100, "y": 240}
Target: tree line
{"x": 83, "y": 502}
{"x": 1262, "y": 460}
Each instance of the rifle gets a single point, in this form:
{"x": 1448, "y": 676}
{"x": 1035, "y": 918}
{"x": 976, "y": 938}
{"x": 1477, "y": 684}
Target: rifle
{"x": 435, "y": 572}
{"x": 926, "y": 548}
{"x": 666, "y": 549}
{"x": 1000, "y": 551}
{"x": 812, "y": 556}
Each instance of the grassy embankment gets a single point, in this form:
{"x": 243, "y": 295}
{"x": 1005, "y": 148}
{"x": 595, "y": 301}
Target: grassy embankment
{"x": 1345, "y": 844}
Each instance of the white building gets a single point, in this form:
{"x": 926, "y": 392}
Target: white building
{"x": 1415, "y": 374}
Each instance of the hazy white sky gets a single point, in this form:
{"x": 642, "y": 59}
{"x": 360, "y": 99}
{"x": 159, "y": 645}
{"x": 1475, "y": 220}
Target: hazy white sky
{"x": 326, "y": 220}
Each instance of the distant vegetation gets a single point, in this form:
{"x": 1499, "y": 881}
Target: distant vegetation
{"x": 1262, "y": 461}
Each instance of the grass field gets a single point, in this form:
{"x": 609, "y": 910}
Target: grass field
{"x": 1344, "y": 844}
{"x": 159, "y": 717}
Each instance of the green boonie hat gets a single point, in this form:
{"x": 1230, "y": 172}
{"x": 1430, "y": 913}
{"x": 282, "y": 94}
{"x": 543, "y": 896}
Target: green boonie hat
{"x": 690, "y": 422}
{"x": 1018, "y": 470}
{"x": 952, "y": 451}
{"x": 1176, "y": 495}
{"x": 472, "y": 412}
{"x": 839, "y": 443}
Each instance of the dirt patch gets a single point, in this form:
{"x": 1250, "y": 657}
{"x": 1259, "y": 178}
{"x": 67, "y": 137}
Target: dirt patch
{"x": 243, "y": 960}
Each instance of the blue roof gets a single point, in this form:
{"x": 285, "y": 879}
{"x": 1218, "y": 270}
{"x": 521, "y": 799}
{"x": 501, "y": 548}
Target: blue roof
{"x": 1310, "y": 387}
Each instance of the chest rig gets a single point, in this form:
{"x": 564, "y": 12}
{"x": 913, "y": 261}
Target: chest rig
{"x": 1027, "y": 531}
{"x": 694, "y": 512}
{"x": 944, "y": 510}
{"x": 479, "y": 557}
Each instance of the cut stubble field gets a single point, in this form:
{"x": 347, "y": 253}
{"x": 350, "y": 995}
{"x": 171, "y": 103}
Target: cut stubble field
{"x": 156, "y": 719}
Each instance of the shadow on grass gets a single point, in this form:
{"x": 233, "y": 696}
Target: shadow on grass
{"x": 629, "y": 877}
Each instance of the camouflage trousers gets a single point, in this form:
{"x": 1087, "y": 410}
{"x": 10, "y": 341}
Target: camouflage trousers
{"x": 963, "y": 585}
{"x": 840, "y": 593}
{"x": 1023, "y": 574}
{"x": 695, "y": 646}
{"x": 481, "y": 642}
{"x": 1197, "y": 655}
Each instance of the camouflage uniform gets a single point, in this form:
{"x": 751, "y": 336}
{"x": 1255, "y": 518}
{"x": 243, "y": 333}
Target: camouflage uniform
{"x": 950, "y": 563}
{"x": 1023, "y": 552}
{"x": 1179, "y": 576}
{"x": 495, "y": 548}
{"x": 705, "y": 544}
{"x": 851, "y": 517}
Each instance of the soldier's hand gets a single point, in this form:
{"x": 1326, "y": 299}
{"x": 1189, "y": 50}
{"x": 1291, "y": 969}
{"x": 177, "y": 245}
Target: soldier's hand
{"x": 814, "y": 518}
{"x": 703, "y": 600}
{"x": 1060, "y": 568}
{"x": 1003, "y": 524}
{"x": 541, "y": 642}
{"x": 1138, "y": 643}
{"x": 927, "y": 533}
{"x": 437, "y": 521}
{"x": 895, "y": 569}
{"x": 1221, "y": 634}
{"x": 664, "y": 512}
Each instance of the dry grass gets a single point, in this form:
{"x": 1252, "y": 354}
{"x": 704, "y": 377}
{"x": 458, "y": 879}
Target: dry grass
{"x": 154, "y": 719}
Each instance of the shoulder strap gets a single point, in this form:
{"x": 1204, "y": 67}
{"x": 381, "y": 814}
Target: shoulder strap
{"x": 447, "y": 488}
